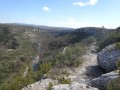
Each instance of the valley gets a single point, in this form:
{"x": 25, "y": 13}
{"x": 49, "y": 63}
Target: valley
{"x": 59, "y": 45}
{"x": 53, "y": 58}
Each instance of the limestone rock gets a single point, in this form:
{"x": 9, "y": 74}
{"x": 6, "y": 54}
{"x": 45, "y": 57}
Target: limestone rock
{"x": 102, "y": 81}
{"x": 61, "y": 87}
{"x": 40, "y": 85}
{"x": 73, "y": 86}
{"x": 108, "y": 57}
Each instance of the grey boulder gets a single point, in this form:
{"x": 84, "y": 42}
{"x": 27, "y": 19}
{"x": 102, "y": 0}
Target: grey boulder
{"x": 104, "y": 80}
{"x": 108, "y": 58}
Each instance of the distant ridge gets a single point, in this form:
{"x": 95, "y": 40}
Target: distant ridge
{"x": 44, "y": 27}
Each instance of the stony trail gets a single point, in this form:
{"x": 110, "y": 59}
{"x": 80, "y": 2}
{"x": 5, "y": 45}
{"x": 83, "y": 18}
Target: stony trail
{"x": 89, "y": 69}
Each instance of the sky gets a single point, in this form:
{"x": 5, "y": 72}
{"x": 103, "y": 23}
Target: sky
{"x": 62, "y": 13}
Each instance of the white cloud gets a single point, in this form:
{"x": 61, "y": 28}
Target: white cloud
{"x": 45, "y": 8}
{"x": 90, "y": 2}
{"x": 79, "y": 3}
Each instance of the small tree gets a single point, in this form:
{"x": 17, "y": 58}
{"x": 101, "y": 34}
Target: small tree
{"x": 50, "y": 86}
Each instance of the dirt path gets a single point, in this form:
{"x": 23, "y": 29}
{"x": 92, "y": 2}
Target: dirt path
{"x": 89, "y": 69}
{"x": 64, "y": 50}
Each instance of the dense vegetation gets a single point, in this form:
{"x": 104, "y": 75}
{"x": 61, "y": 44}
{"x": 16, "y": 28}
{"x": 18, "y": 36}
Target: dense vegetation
{"x": 16, "y": 53}
{"x": 58, "y": 50}
{"x": 69, "y": 56}
{"x": 7, "y": 39}
{"x": 18, "y": 46}
{"x": 110, "y": 38}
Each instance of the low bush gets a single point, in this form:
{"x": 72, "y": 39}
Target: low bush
{"x": 63, "y": 80}
{"x": 115, "y": 84}
{"x": 50, "y": 86}
{"x": 110, "y": 39}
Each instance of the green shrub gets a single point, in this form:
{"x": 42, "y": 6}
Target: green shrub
{"x": 63, "y": 80}
{"x": 50, "y": 86}
{"x": 118, "y": 45}
{"x": 115, "y": 84}
{"x": 71, "y": 58}
{"x": 88, "y": 40}
{"x": 110, "y": 39}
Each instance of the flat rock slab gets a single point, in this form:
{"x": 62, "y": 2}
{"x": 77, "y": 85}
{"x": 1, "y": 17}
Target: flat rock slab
{"x": 73, "y": 86}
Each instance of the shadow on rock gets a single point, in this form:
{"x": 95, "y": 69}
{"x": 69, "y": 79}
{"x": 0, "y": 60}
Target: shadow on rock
{"x": 94, "y": 71}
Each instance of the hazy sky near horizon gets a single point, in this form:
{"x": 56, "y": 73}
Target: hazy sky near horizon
{"x": 62, "y": 13}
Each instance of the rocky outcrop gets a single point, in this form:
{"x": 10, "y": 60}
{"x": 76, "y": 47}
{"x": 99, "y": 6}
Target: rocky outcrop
{"x": 44, "y": 84}
{"x": 61, "y": 87}
{"x": 107, "y": 60}
{"x": 40, "y": 85}
{"x": 73, "y": 86}
{"x": 108, "y": 57}
{"x": 102, "y": 81}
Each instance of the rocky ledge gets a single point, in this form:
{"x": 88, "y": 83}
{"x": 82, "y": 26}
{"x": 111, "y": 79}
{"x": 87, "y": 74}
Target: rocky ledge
{"x": 102, "y": 81}
{"x": 73, "y": 86}
{"x": 40, "y": 85}
{"x": 108, "y": 57}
